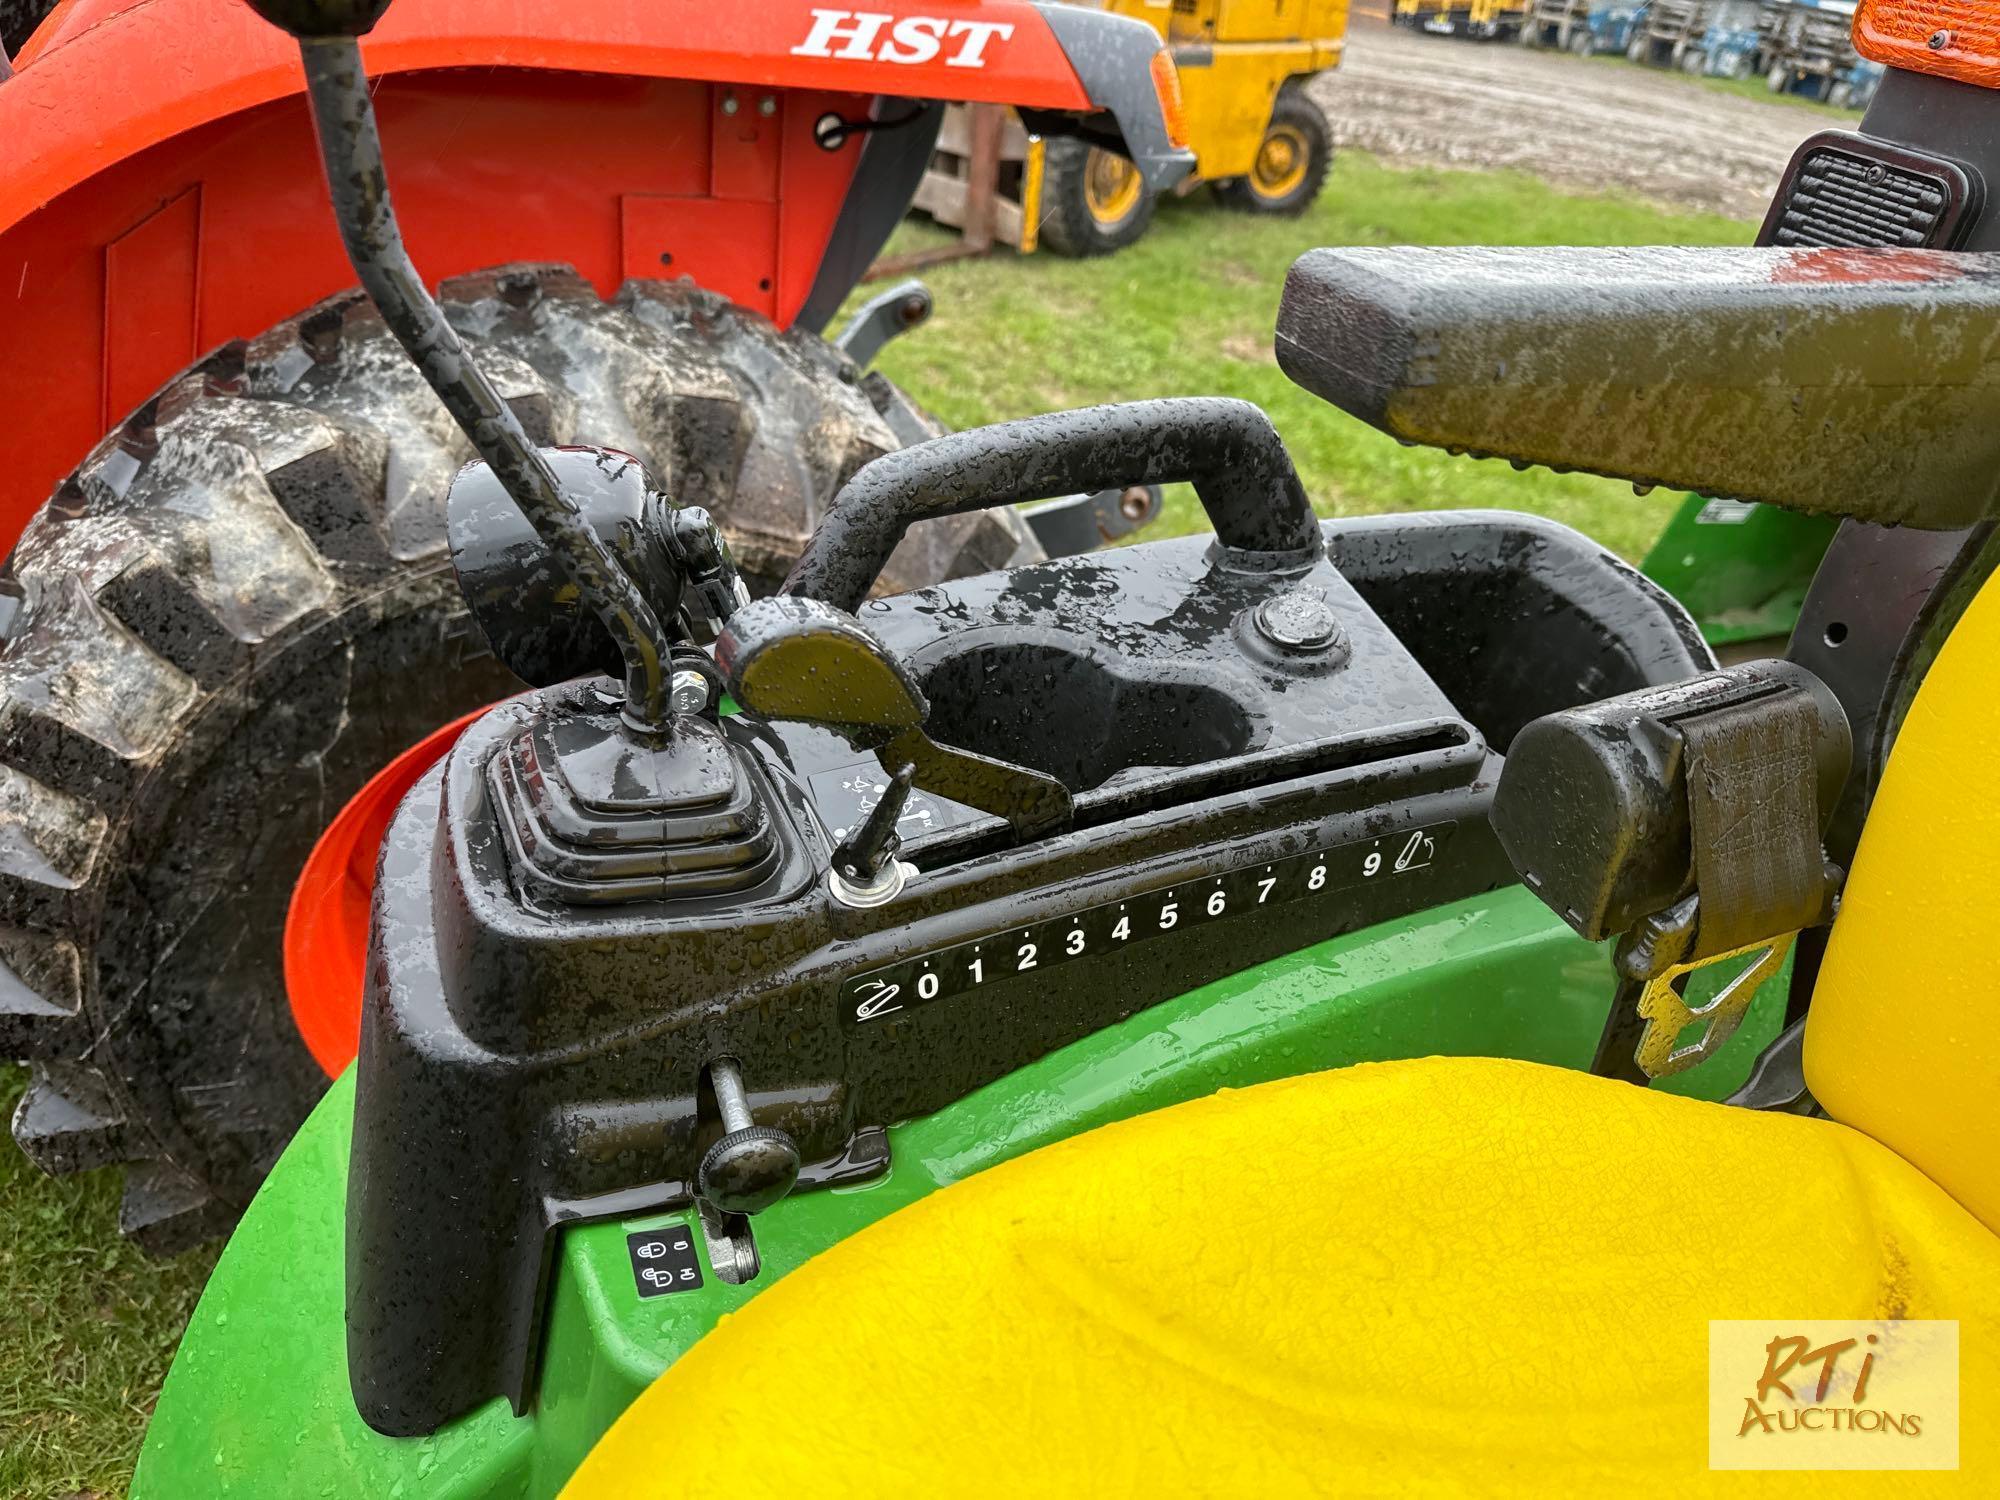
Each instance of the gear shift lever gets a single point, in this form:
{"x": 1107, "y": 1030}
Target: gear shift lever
{"x": 344, "y": 119}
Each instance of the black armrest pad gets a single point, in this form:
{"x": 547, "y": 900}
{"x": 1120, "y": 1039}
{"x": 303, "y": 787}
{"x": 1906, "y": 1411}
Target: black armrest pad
{"x": 1857, "y": 383}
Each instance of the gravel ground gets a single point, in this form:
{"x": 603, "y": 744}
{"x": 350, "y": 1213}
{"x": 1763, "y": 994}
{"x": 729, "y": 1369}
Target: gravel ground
{"x": 1600, "y": 125}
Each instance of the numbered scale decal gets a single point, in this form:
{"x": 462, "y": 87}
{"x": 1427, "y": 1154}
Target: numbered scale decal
{"x": 959, "y": 970}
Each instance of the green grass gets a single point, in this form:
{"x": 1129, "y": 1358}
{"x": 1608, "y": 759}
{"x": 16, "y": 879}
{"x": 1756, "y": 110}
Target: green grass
{"x": 87, "y": 1326}
{"x": 1190, "y": 310}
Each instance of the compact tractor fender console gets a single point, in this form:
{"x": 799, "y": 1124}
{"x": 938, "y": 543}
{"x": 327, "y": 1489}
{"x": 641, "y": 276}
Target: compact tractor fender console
{"x": 947, "y": 833}
{"x": 632, "y": 949}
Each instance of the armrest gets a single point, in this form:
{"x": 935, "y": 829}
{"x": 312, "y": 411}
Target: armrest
{"x": 1852, "y": 383}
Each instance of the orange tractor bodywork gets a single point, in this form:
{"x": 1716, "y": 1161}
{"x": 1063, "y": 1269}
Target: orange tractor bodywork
{"x": 146, "y": 221}
{"x": 176, "y": 302}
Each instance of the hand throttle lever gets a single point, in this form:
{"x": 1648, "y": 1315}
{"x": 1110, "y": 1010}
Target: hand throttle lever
{"x": 797, "y": 659}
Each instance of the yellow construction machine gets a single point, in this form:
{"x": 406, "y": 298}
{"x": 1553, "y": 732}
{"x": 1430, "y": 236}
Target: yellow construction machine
{"x": 1259, "y": 138}
{"x": 1483, "y": 19}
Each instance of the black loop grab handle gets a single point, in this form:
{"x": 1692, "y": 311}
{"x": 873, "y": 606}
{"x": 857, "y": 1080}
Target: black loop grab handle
{"x": 1227, "y": 449}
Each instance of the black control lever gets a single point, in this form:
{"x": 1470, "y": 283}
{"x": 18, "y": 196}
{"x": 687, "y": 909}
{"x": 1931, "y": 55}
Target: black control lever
{"x": 867, "y": 850}
{"x": 1227, "y": 449}
{"x": 351, "y": 149}
{"x": 805, "y": 661}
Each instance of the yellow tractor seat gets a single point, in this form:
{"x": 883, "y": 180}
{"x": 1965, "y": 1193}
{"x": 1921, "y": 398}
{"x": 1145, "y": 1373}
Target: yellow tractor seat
{"x": 1448, "y": 1276}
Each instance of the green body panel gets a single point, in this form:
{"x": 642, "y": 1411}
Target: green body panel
{"x": 1741, "y": 570}
{"x": 257, "y": 1402}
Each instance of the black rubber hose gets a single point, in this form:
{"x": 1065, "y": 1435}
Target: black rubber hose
{"x": 1227, "y": 449}
{"x": 352, "y": 150}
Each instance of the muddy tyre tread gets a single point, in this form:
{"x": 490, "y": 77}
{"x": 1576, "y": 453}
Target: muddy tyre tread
{"x": 214, "y": 623}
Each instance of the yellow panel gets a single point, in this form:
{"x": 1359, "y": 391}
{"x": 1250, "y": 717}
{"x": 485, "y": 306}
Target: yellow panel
{"x": 1228, "y": 102}
{"x": 1902, "y": 1040}
{"x": 1158, "y": 14}
{"x": 1261, "y": 20}
{"x": 1454, "y": 1276}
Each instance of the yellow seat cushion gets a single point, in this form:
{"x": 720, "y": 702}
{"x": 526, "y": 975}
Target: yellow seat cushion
{"x": 1902, "y": 1042}
{"x": 1450, "y": 1276}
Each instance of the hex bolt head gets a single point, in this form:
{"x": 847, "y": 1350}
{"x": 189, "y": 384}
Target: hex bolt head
{"x": 688, "y": 692}
{"x": 767, "y": 106}
{"x": 729, "y": 105}
{"x": 1298, "y": 621}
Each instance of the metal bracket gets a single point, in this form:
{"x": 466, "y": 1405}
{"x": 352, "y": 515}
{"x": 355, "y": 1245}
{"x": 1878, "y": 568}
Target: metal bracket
{"x": 731, "y": 1244}
{"x": 884, "y": 316}
{"x": 1083, "y": 523}
{"x": 1777, "y": 1081}
{"x": 1663, "y": 1004}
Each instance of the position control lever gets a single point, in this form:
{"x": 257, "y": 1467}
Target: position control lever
{"x": 801, "y": 660}
{"x": 327, "y": 32}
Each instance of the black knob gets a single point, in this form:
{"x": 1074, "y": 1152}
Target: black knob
{"x": 321, "y": 18}
{"x": 752, "y": 1166}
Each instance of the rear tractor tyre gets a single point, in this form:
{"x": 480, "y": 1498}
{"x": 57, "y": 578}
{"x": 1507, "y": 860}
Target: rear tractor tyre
{"x": 1093, "y": 201}
{"x": 240, "y": 606}
{"x": 18, "y": 20}
{"x": 1292, "y": 161}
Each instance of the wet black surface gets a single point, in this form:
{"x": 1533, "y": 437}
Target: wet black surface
{"x": 527, "y": 1062}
